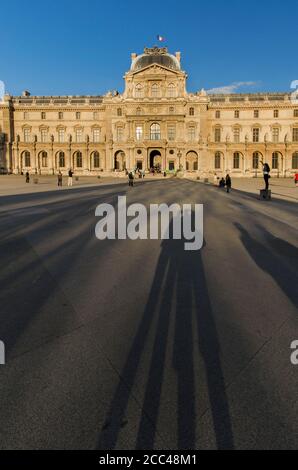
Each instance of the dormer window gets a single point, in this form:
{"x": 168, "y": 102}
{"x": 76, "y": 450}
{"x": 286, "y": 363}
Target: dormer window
{"x": 139, "y": 91}
{"x": 171, "y": 92}
{"x": 155, "y": 90}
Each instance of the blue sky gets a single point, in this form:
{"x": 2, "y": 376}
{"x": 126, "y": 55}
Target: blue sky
{"x": 83, "y": 47}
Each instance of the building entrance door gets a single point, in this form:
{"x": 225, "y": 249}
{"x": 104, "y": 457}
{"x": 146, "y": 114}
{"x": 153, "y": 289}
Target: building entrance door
{"x": 155, "y": 160}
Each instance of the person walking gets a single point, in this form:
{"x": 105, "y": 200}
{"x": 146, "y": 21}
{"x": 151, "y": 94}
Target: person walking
{"x": 27, "y": 177}
{"x": 70, "y": 175}
{"x": 59, "y": 178}
{"x": 228, "y": 183}
{"x": 266, "y": 173}
{"x": 296, "y": 179}
{"x": 130, "y": 179}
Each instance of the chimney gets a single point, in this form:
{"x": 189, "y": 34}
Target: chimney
{"x": 26, "y": 93}
{"x": 133, "y": 56}
{"x": 178, "y": 56}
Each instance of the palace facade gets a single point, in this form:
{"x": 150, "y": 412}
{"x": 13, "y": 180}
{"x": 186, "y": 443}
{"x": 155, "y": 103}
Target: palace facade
{"x": 154, "y": 122}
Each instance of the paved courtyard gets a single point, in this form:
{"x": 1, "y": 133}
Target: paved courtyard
{"x": 139, "y": 344}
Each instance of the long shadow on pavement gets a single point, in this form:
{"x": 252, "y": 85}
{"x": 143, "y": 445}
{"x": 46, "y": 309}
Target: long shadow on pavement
{"x": 270, "y": 257}
{"x": 178, "y": 293}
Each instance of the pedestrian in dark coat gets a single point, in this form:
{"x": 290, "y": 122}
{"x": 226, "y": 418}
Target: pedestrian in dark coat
{"x": 59, "y": 178}
{"x": 266, "y": 173}
{"x": 228, "y": 183}
{"x": 27, "y": 177}
{"x": 130, "y": 178}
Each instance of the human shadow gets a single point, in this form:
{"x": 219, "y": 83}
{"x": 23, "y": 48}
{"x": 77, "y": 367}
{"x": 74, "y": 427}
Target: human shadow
{"x": 275, "y": 257}
{"x": 179, "y": 295}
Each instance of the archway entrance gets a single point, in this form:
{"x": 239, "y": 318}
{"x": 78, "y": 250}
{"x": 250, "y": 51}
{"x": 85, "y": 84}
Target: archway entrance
{"x": 192, "y": 161}
{"x": 119, "y": 161}
{"x": 155, "y": 160}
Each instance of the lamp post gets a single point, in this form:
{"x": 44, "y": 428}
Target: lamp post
{"x": 179, "y": 155}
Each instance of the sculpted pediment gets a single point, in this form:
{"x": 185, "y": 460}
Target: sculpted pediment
{"x": 155, "y": 69}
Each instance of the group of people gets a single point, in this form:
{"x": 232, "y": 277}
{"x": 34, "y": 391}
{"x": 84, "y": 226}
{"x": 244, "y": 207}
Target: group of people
{"x": 59, "y": 178}
{"x": 69, "y": 179}
{"x": 227, "y": 181}
{"x": 223, "y": 182}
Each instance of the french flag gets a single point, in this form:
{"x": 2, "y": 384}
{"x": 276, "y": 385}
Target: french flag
{"x": 160, "y": 38}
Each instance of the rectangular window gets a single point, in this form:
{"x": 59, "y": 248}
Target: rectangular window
{"x": 236, "y": 136}
{"x": 60, "y": 115}
{"x": 96, "y": 135}
{"x": 236, "y": 161}
{"x": 95, "y": 115}
{"x": 255, "y": 161}
{"x": 256, "y": 134}
{"x": 275, "y": 134}
{"x": 79, "y": 135}
{"x": 44, "y": 135}
{"x": 171, "y": 132}
{"x": 217, "y": 114}
{"x": 217, "y": 161}
{"x": 276, "y": 113}
{"x": 256, "y": 113}
{"x": 217, "y": 135}
{"x": 295, "y": 134}
{"x": 155, "y": 91}
{"x": 275, "y": 161}
{"x": 26, "y": 115}
{"x": 139, "y": 132}
{"x": 119, "y": 134}
{"x": 295, "y": 112}
{"x": 237, "y": 114}
{"x": 78, "y": 115}
{"x": 26, "y": 135}
{"x": 191, "y": 133}
{"x": 43, "y": 115}
{"x": 61, "y": 136}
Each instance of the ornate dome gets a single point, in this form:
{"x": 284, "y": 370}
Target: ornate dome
{"x": 155, "y": 55}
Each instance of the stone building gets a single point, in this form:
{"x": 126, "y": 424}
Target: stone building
{"x": 154, "y": 122}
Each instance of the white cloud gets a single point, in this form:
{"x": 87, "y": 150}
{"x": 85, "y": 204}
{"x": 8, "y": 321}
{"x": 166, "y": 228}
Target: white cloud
{"x": 227, "y": 89}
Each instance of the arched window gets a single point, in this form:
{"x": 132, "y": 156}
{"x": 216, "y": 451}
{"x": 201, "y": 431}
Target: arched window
{"x": 191, "y": 111}
{"x": 236, "y": 160}
{"x": 61, "y": 160}
{"x": 139, "y": 91}
{"x": 255, "y": 160}
{"x": 44, "y": 159}
{"x": 155, "y": 90}
{"x": 155, "y": 131}
{"x": 171, "y": 92}
{"x": 295, "y": 161}
{"x": 275, "y": 157}
{"x": 27, "y": 160}
{"x": 79, "y": 159}
{"x": 119, "y": 112}
{"x": 217, "y": 160}
{"x": 96, "y": 160}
